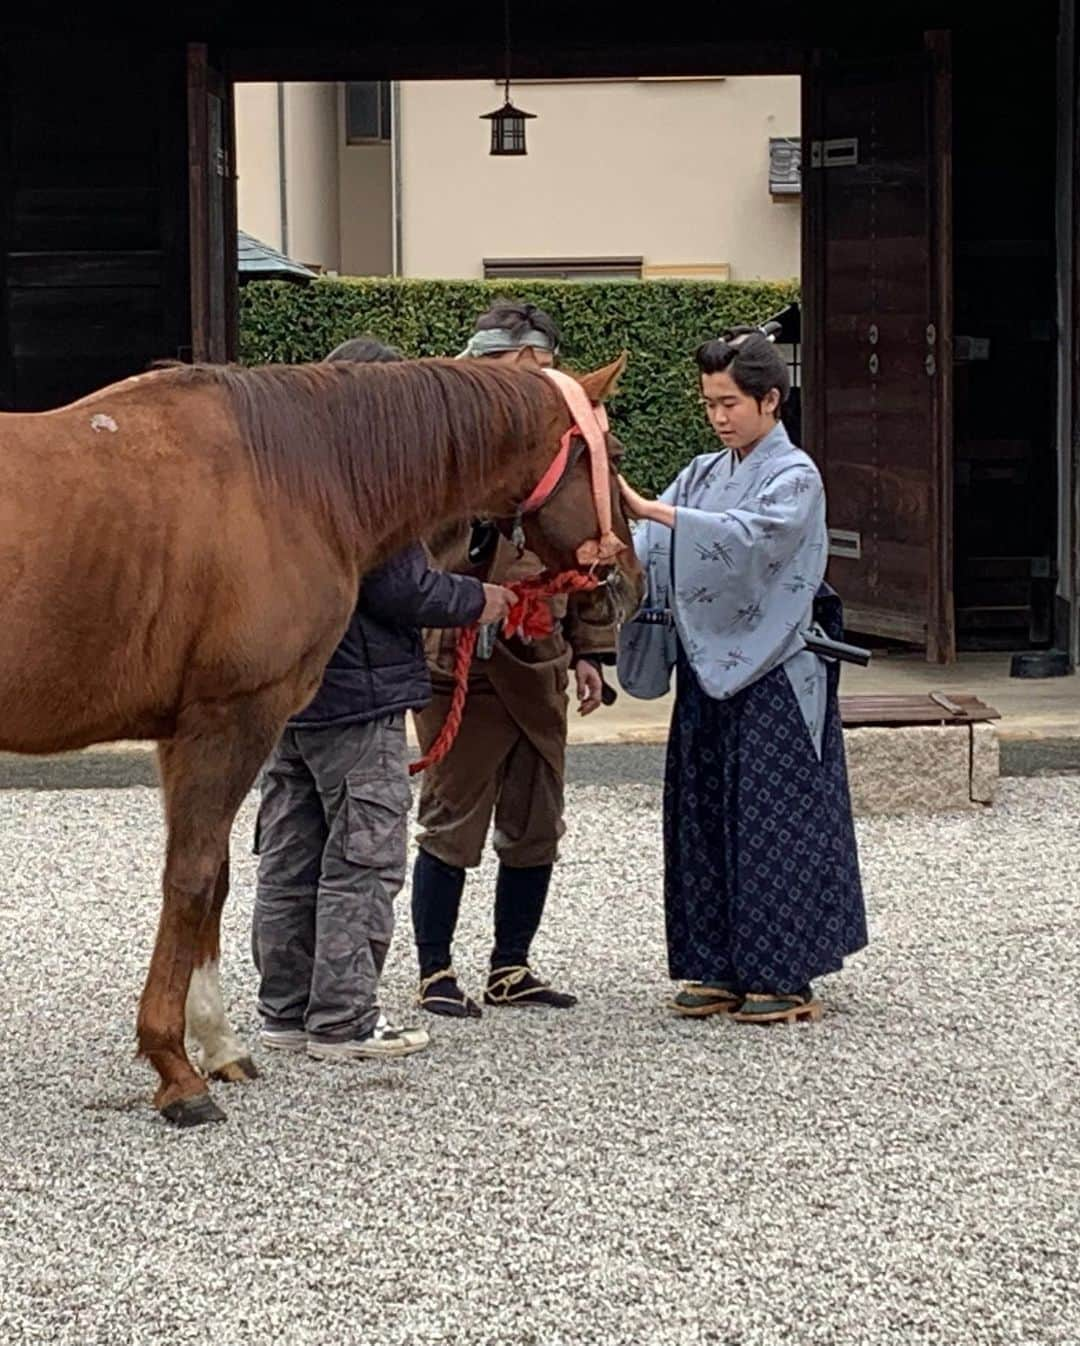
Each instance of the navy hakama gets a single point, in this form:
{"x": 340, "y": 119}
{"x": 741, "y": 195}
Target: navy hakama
{"x": 761, "y": 872}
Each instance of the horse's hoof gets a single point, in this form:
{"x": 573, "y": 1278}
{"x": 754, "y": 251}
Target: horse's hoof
{"x": 237, "y": 1072}
{"x": 197, "y": 1111}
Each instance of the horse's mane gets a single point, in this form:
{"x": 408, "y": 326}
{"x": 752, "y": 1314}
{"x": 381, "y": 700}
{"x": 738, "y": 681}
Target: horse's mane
{"x": 371, "y": 441}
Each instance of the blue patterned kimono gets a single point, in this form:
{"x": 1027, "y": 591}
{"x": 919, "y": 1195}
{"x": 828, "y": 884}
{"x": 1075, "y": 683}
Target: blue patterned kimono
{"x": 761, "y": 872}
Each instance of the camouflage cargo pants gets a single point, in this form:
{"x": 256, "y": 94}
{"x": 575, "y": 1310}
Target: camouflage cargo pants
{"x": 331, "y": 839}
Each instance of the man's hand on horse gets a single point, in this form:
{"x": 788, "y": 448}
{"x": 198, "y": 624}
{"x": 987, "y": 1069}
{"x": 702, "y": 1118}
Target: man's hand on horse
{"x": 590, "y": 686}
{"x": 637, "y": 507}
{"x": 497, "y": 603}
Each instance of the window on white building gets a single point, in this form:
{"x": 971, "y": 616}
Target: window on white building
{"x": 367, "y": 112}
{"x": 562, "y": 268}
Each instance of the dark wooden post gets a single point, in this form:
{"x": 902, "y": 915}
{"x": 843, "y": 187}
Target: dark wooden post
{"x": 211, "y": 208}
{"x": 941, "y": 622}
{"x": 1069, "y": 260}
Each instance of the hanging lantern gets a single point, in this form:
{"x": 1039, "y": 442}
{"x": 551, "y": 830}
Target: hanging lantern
{"x": 508, "y": 121}
{"x": 508, "y": 127}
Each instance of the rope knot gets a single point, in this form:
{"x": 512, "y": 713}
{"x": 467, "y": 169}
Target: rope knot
{"x": 531, "y": 618}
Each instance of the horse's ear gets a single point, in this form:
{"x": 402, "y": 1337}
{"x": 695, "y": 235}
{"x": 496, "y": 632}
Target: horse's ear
{"x": 526, "y": 355}
{"x": 600, "y": 384}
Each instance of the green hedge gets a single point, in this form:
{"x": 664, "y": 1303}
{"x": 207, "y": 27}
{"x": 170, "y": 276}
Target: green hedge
{"x": 659, "y": 323}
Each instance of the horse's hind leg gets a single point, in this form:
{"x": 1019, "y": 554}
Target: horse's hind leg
{"x": 219, "y": 1052}
{"x": 206, "y": 771}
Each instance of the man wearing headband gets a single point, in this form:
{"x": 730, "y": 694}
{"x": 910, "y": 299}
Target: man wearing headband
{"x": 498, "y": 341}
{"x": 508, "y": 762}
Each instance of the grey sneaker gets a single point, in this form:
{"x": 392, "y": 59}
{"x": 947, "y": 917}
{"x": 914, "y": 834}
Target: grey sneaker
{"x": 410, "y": 1032}
{"x": 283, "y": 1039}
{"x": 383, "y": 1042}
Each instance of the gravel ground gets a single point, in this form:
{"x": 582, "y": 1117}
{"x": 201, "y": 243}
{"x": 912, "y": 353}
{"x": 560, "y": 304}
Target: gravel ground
{"x": 904, "y": 1172}
{"x": 586, "y": 764}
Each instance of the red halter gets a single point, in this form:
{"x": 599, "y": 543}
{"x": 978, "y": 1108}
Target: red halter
{"x": 590, "y": 424}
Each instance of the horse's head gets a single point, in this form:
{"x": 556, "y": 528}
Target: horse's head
{"x": 564, "y": 518}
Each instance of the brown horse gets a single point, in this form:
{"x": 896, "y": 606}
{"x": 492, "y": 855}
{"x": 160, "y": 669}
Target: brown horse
{"x": 179, "y": 556}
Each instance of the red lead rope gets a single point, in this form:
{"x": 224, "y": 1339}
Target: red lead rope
{"x": 530, "y": 618}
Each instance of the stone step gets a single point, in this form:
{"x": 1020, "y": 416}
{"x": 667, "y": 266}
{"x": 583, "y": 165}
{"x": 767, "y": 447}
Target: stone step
{"x": 922, "y": 768}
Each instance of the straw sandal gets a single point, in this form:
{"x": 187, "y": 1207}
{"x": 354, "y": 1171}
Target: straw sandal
{"x": 523, "y": 989}
{"x": 442, "y": 994}
{"x": 776, "y": 1008}
{"x": 696, "y": 999}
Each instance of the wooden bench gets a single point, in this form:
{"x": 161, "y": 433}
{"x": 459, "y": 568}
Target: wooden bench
{"x": 920, "y": 753}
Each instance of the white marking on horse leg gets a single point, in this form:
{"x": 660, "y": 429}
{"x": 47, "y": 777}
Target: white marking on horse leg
{"x": 206, "y": 1023}
{"x": 103, "y": 422}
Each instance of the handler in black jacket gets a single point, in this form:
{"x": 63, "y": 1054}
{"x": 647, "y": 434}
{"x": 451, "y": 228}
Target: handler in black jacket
{"x": 332, "y": 826}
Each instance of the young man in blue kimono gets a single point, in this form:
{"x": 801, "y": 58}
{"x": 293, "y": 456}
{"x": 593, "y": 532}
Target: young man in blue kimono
{"x": 762, "y": 888}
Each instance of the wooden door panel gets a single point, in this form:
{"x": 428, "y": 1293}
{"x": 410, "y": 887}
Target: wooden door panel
{"x": 88, "y": 256}
{"x": 873, "y": 292}
{"x": 211, "y": 205}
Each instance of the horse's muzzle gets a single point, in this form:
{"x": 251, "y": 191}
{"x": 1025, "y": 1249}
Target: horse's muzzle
{"x": 623, "y": 594}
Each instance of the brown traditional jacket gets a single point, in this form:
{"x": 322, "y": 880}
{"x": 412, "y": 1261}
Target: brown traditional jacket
{"x": 530, "y": 678}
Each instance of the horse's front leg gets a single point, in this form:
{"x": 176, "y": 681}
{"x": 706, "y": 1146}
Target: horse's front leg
{"x": 190, "y": 878}
{"x": 219, "y": 1053}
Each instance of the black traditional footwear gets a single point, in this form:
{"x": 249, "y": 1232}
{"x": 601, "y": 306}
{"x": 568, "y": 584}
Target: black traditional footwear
{"x": 520, "y": 987}
{"x": 441, "y": 994}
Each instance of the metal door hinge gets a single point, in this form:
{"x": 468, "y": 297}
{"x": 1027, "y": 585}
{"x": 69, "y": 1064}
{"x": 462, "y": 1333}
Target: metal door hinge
{"x": 841, "y": 153}
{"x": 846, "y": 544}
